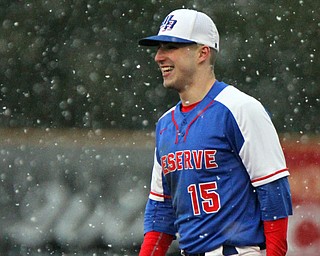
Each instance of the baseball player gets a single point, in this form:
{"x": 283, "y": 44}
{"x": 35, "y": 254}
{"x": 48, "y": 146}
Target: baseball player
{"x": 219, "y": 180}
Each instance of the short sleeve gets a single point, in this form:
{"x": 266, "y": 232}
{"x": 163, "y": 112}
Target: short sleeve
{"x": 261, "y": 152}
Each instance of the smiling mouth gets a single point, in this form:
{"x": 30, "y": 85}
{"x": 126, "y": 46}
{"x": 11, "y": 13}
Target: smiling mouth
{"x": 167, "y": 69}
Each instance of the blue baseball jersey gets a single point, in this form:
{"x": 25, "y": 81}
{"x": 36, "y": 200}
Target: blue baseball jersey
{"x": 208, "y": 164}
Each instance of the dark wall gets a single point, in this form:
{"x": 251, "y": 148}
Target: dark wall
{"x": 77, "y": 63}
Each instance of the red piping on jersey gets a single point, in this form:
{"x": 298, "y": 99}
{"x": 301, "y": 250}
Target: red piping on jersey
{"x": 160, "y": 195}
{"x": 176, "y": 125}
{"x": 188, "y": 128}
{"x": 268, "y": 176}
{"x": 199, "y": 114}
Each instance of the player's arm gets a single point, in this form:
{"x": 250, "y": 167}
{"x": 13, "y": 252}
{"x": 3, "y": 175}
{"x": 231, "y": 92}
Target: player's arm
{"x": 158, "y": 227}
{"x": 276, "y": 206}
{"x": 155, "y": 244}
{"x": 252, "y": 134}
{"x": 159, "y": 217}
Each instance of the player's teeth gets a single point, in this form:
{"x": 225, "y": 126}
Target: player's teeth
{"x": 167, "y": 69}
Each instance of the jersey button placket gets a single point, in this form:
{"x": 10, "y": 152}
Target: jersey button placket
{"x": 182, "y": 129}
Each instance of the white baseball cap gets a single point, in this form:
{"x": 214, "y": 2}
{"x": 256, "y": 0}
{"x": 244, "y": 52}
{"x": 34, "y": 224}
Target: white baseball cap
{"x": 185, "y": 26}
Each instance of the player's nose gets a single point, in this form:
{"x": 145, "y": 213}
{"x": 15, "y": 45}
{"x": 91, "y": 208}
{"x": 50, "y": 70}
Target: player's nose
{"x": 159, "y": 55}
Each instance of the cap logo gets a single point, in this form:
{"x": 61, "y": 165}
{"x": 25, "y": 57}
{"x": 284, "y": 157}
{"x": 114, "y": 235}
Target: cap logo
{"x": 168, "y": 23}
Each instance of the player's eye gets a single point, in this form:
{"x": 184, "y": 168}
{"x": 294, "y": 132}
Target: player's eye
{"x": 172, "y": 46}
{"x": 168, "y": 46}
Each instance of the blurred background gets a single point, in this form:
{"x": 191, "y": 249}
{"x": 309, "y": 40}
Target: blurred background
{"x": 79, "y": 100}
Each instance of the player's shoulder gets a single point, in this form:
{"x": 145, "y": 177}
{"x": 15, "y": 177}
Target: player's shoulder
{"x": 233, "y": 98}
{"x": 241, "y": 105}
{"x": 167, "y": 113}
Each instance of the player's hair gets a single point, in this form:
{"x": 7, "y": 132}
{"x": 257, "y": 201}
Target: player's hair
{"x": 213, "y": 58}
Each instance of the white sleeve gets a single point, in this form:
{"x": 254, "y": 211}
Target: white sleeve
{"x": 156, "y": 192}
{"x": 261, "y": 152}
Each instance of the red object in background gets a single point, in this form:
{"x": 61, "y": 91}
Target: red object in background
{"x": 311, "y": 229}
{"x": 303, "y": 161}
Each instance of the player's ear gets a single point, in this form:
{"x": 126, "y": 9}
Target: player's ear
{"x": 204, "y": 53}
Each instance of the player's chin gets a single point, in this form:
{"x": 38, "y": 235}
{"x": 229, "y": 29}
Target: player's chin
{"x": 167, "y": 84}
{"x": 172, "y": 87}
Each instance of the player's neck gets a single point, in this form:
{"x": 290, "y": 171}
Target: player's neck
{"x": 196, "y": 92}
{"x": 187, "y": 108}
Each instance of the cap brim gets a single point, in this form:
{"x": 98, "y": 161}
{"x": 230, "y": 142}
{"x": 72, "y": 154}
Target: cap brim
{"x": 156, "y": 40}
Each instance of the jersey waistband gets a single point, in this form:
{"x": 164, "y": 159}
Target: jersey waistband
{"x": 227, "y": 250}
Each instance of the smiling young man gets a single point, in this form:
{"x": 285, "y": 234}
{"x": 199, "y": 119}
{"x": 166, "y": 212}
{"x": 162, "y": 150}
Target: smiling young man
{"x": 187, "y": 69}
{"x": 219, "y": 180}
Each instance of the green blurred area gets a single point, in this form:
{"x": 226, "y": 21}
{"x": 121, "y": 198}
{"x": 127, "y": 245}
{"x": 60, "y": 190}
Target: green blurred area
{"x": 77, "y": 63}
